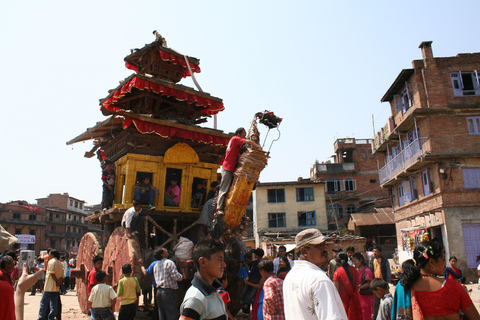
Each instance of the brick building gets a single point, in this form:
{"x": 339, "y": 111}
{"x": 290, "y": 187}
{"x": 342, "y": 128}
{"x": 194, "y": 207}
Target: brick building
{"x": 21, "y": 218}
{"x": 65, "y": 216}
{"x": 351, "y": 181}
{"x": 431, "y": 145}
{"x": 282, "y": 209}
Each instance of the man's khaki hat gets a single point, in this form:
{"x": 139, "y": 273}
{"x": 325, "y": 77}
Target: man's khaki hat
{"x": 311, "y": 236}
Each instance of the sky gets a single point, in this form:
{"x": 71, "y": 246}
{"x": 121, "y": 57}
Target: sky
{"x": 322, "y": 66}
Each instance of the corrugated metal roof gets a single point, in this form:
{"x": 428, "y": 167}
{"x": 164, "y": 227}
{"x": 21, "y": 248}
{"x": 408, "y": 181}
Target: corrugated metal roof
{"x": 381, "y": 217}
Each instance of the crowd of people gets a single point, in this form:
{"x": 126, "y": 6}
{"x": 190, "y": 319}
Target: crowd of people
{"x": 311, "y": 287}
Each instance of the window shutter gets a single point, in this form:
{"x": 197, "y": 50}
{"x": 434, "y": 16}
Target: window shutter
{"x": 471, "y": 178}
{"x": 460, "y": 80}
{"x": 456, "y": 84}
{"x": 409, "y": 94}
{"x": 407, "y": 191}
{"x": 398, "y": 102}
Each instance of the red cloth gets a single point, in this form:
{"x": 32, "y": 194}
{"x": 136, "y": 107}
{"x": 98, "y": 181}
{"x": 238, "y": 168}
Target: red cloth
{"x": 349, "y": 293}
{"x": 233, "y": 150}
{"x": 225, "y": 297}
{"x": 5, "y": 276}
{"x": 210, "y": 107}
{"x": 7, "y": 304}
{"x": 273, "y": 306}
{"x": 91, "y": 281}
{"x": 169, "y": 132}
{"x": 167, "y": 56}
{"x": 15, "y": 274}
{"x": 255, "y": 305}
{"x": 445, "y": 301}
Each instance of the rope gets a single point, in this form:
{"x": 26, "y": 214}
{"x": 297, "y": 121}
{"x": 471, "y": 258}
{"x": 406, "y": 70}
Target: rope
{"x": 191, "y": 73}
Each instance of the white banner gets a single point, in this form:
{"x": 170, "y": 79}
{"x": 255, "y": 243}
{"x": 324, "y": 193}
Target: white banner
{"x": 25, "y": 238}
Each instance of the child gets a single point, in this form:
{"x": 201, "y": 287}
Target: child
{"x": 128, "y": 290}
{"x": 102, "y": 298}
{"x": 225, "y": 296}
{"x": 91, "y": 280}
{"x": 202, "y": 300}
{"x": 108, "y": 178}
{"x": 145, "y": 192}
{"x": 253, "y": 279}
{"x": 381, "y": 290}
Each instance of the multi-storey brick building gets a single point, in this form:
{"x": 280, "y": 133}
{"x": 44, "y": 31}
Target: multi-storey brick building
{"x": 25, "y": 221}
{"x": 431, "y": 145}
{"x": 282, "y": 209}
{"x": 351, "y": 181}
{"x": 65, "y": 216}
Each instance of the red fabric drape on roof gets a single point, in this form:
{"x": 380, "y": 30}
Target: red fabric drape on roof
{"x": 131, "y": 66}
{"x": 169, "y": 132}
{"x": 210, "y": 107}
{"x": 166, "y": 56}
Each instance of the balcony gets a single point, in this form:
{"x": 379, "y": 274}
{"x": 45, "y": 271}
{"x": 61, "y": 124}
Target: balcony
{"x": 335, "y": 167}
{"x": 404, "y": 160}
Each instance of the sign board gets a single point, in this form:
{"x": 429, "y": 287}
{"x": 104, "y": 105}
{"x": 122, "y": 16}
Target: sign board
{"x": 25, "y": 238}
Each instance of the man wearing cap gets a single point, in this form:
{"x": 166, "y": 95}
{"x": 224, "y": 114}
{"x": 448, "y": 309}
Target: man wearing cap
{"x": 307, "y": 290}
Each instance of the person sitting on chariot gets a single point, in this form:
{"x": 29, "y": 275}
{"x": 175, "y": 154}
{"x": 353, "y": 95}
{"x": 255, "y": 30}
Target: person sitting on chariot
{"x": 145, "y": 192}
{"x": 131, "y": 218}
{"x": 172, "y": 194}
{"x": 199, "y": 194}
{"x": 229, "y": 164}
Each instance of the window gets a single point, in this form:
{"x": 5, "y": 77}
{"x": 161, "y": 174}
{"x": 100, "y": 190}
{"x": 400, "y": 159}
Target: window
{"x": 332, "y": 185}
{"x": 76, "y": 204}
{"x": 74, "y": 218}
{"x": 336, "y": 208}
{"x": 16, "y": 216}
{"x": 473, "y": 124}
{"x": 350, "y": 184}
{"x": 351, "y": 209}
{"x": 71, "y": 203}
{"x": 403, "y": 101}
{"x": 18, "y": 231}
{"x": 305, "y": 194}
{"x": 471, "y": 178}
{"x": 32, "y": 217}
{"x": 276, "y": 220}
{"x": 32, "y": 232}
{"x": 68, "y": 228}
{"x": 465, "y": 83}
{"x": 306, "y": 219}
{"x": 427, "y": 184}
{"x": 52, "y": 244}
{"x": 373, "y": 180}
{"x": 80, "y": 205}
{"x": 276, "y": 195}
{"x": 53, "y": 229}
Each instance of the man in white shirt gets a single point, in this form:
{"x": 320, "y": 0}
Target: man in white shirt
{"x": 131, "y": 219}
{"x": 282, "y": 252}
{"x": 308, "y": 292}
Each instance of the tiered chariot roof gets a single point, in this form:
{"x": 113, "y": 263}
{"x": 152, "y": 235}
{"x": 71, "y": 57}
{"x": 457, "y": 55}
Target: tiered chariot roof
{"x": 151, "y": 101}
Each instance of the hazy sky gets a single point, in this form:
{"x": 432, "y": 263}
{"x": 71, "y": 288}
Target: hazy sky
{"x": 321, "y": 65}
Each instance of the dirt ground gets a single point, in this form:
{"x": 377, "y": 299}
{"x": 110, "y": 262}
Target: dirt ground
{"x": 71, "y": 309}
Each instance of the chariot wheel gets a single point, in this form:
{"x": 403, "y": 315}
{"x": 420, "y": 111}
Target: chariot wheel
{"x": 89, "y": 247}
{"x": 119, "y": 251}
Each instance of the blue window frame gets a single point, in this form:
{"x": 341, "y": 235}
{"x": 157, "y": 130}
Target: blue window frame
{"x": 351, "y": 208}
{"x": 306, "y": 219}
{"x": 275, "y": 195}
{"x": 277, "y": 220}
{"x": 305, "y": 194}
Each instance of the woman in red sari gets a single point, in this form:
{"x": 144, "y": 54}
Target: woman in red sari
{"x": 365, "y": 276}
{"x": 345, "y": 279}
